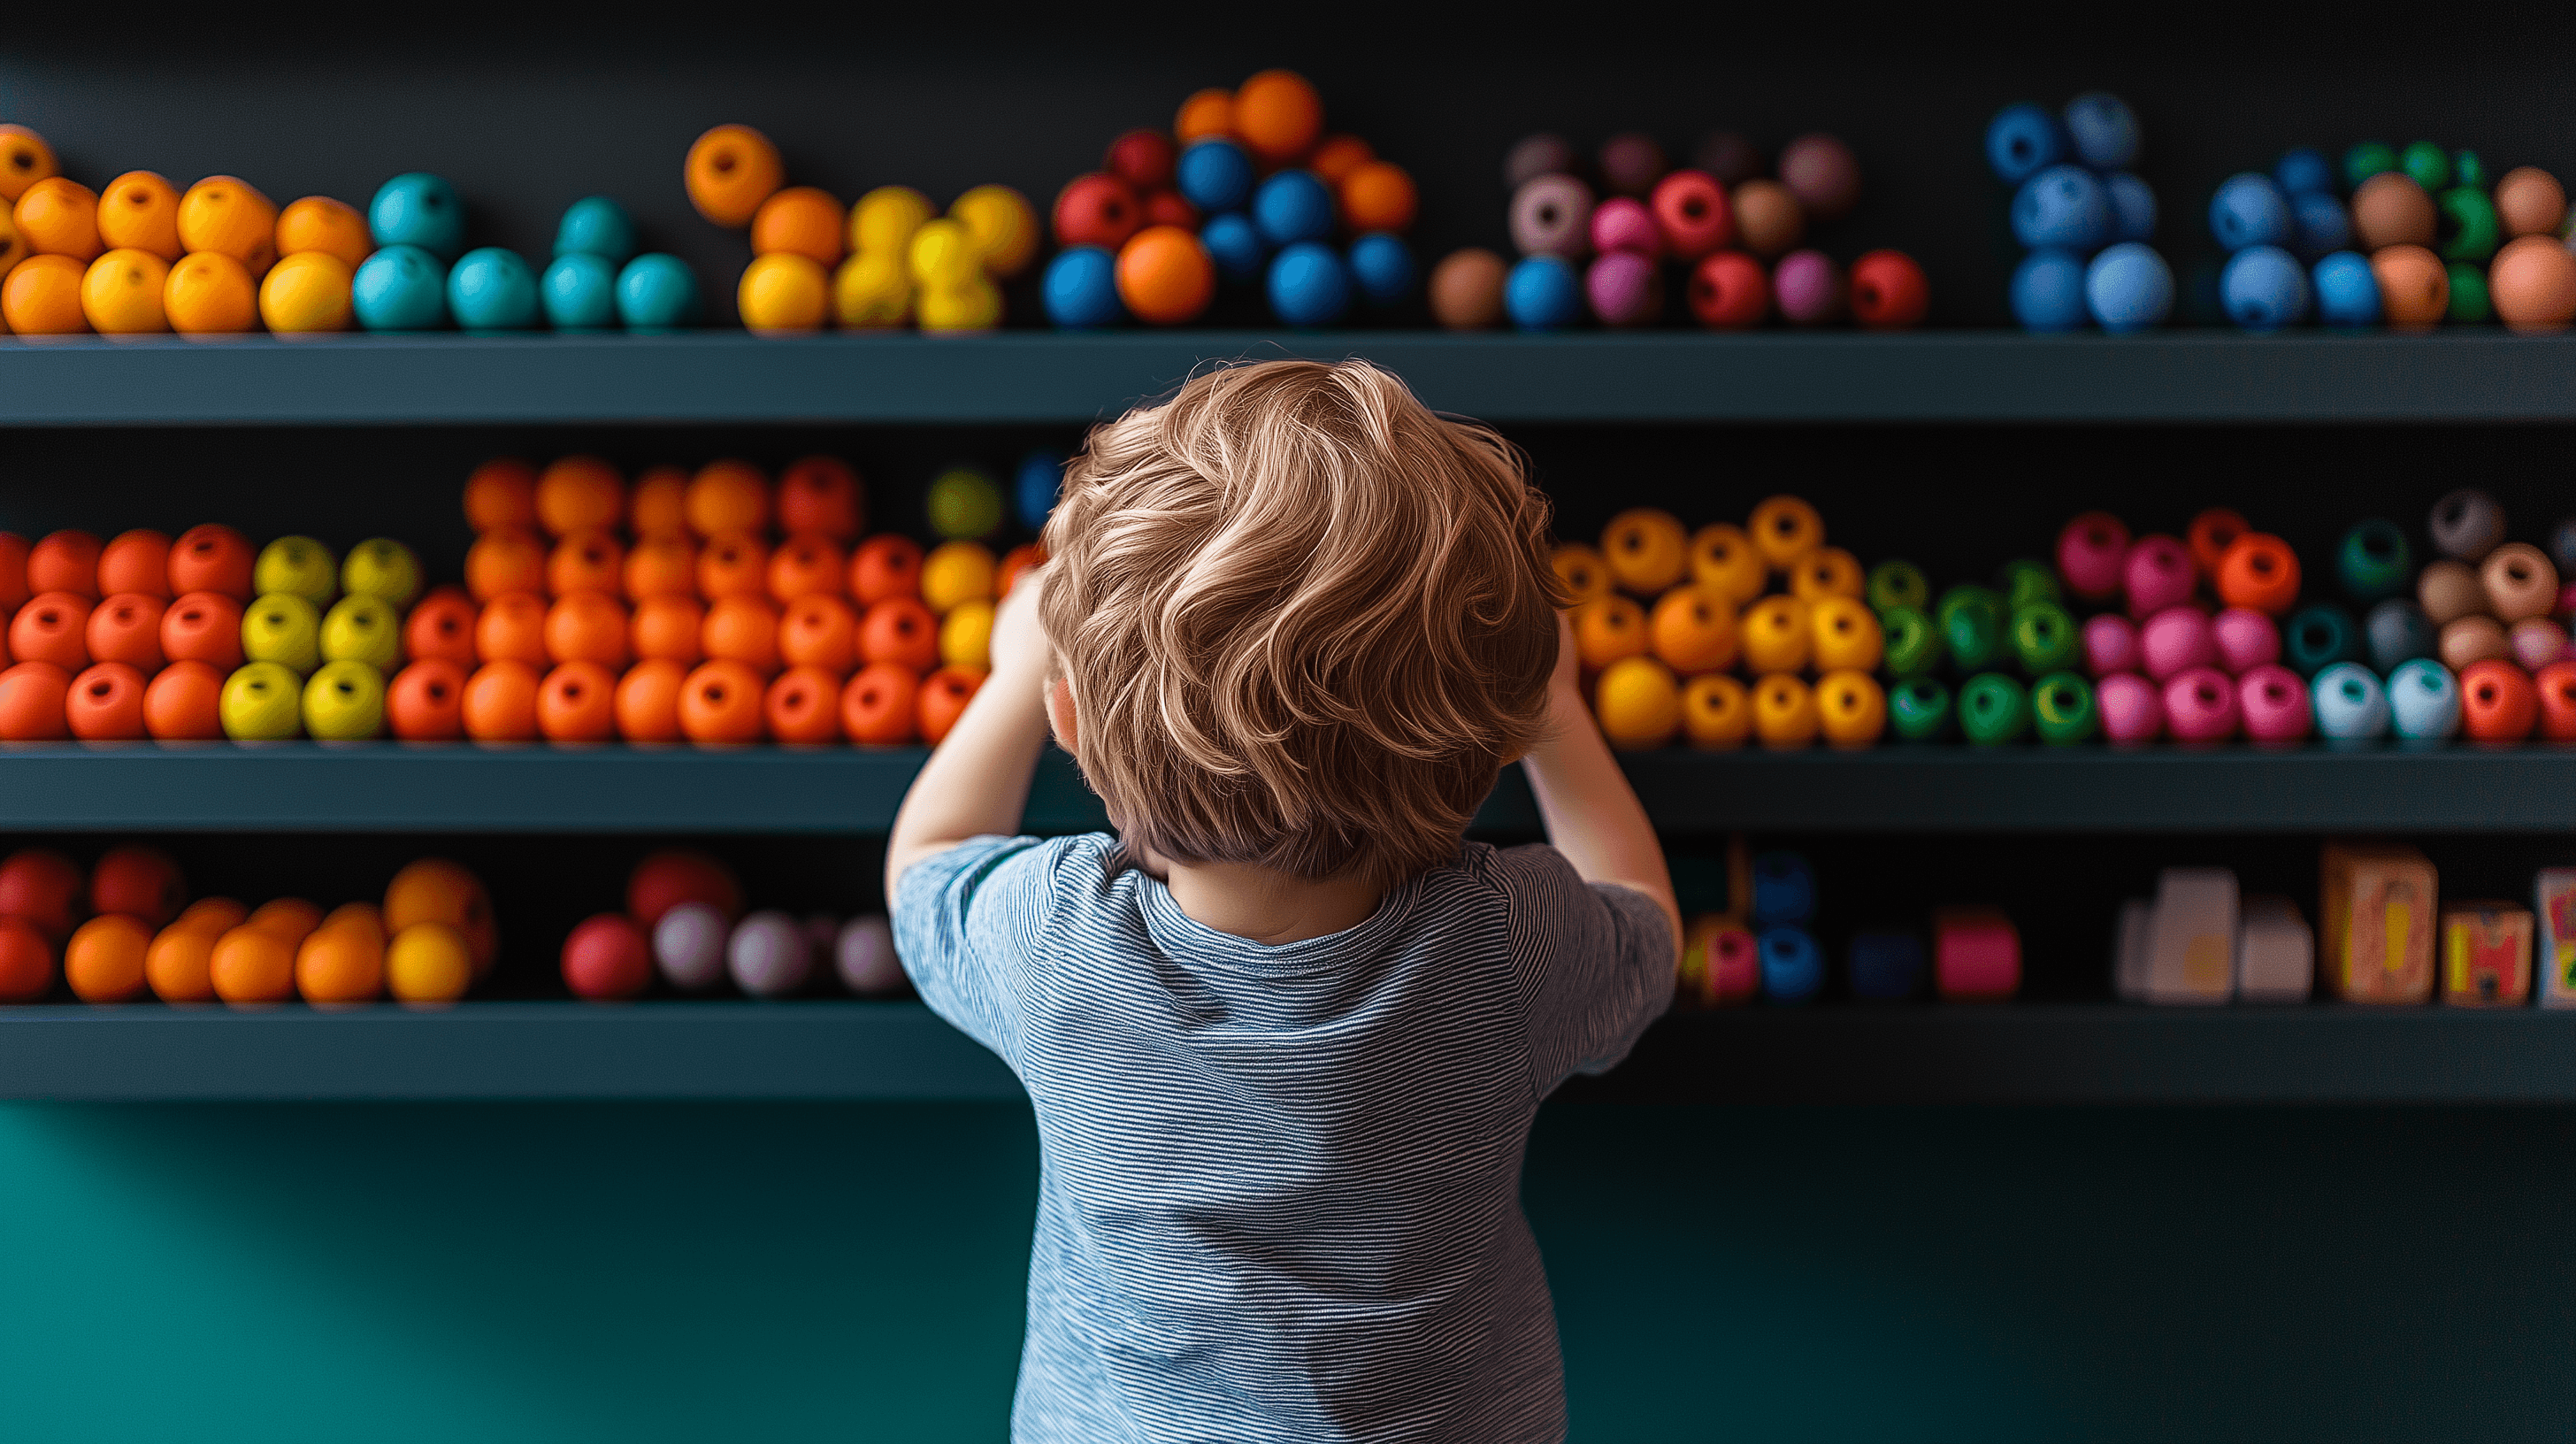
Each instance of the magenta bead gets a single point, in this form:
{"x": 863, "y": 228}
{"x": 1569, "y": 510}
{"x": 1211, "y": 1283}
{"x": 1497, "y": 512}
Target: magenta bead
{"x": 2157, "y": 574}
{"x": 2246, "y": 639}
{"x": 2174, "y": 640}
{"x": 2274, "y": 704}
{"x": 2132, "y": 713}
{"x": 1625, "y": 289}
{"x": 2090, "y": 552}
{"x": 2537, "y": 643}
{"x": 2566, "y": 601}
{"x": 2200, "y": 706}
{"x": 2110, "y": 644}
{"x": 1622, "y": 223}
{"x": 1808, "y": 288}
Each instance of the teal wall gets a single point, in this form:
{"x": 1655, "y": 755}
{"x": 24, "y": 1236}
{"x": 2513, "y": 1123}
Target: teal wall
{"x": 689, "y": 1272}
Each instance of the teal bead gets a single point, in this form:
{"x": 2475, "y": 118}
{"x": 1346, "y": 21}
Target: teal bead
{"x": 2026, "y": 581}
{"x": 1993, "y": 709}
{"x": 1919, "y": 709}
{"x": 2470, "y": 303}
{"x": 2044, "y": 637}
{"x": 2469, "y": 229}
{"x": 2375, "y": 560}
{"x": 2317, "y": 637}
{"x": 1912, "y": 645}
{"x": 2365, "y": 160}
{"x": 2468, "y": 170}
{"x": 1972, "y": 627}
{"x": 1898, "y": 584}
{"x": 2427, "y": 164}
{"x": 2062, "y": 707}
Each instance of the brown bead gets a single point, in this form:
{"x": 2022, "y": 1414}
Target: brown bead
{"x": 2533, "y": 284}
{"x": 2519, "y": 582}
{"x": 2530, "y": 201}
{"x": 2414, "y": 290}
{"x": 2474, "y": 639}
{"x": 1767, "y": 218}
{"x": 2448, "y": 590}
{"x": 2391, "y": 210}
{"x": 1467, "y": 290}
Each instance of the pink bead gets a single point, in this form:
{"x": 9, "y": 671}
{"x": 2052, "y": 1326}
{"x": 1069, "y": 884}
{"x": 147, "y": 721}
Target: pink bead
{"x": 2176, "y": 639}
{"x": 2200, "y": 706}
{"x": 2132, "y": 712}
{"x": 2566, "y": 600}
{"x": 2157, "y": 574}
{"x": 1622, "y": 223}
{"x": 2110, "y": 644}
{"x": 2274, "y": 703}
{"x": 2089, "y": 555}
{"x": 2537, "y": 643}
{"x": 1734, "y": 966}
{"x": 1625, "y": 289}
{"x": 2246, "y": 639}
{"x": 1808, "y": 288}
{"x": 1976, "y": 954}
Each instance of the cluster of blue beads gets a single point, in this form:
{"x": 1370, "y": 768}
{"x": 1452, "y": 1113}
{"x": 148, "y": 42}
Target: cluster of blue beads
{"x": 2286, "y": 236}
{"x": 2084, "y": 215}
{"x": 421, "y": 277}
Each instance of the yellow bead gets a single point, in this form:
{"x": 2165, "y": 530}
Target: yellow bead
{"x": 1847, "y": 635}
{"x": 1784, "y": 529}
{"x": 1850, "y": 708}
{"x": 1826, "y": 572}
{"x": 872, "y": 290}
{"x": 966, "y": 637}
{"x": 121, "y": 293}
{"x": 784, "y": 291}
{"x": 944, "y": 256}
{"x": 1784, "y": 712}
{"x": 1639, "y": 703}
{"x": 428, "y": 963}
{"x": 956, "y": 573}
{"x": 1716, "y": 712}
{"x": 885, "y": 218}
{"x": 1723, "y": 560}
{"x": 1647, "y": 550}
{"x": 1779, "y": 635}
{"x": 975, "y": 305}
{"x": 1003, "y": 224}
{"x": 308, "y": 291}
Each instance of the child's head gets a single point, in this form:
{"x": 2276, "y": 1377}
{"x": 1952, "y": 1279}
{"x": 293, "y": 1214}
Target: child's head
{"x": 1303, "y": 621}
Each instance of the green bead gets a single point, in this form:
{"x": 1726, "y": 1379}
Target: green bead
{"x": 1919, "y": 709}
{"x": 2366, "y": 160}
{"x": 1972, "y": 627}
{"x": 2469, "y": 228}
{"x": 1993, "y": 709}
{"x": 2468, "y": 170}
{"x": 2427, "y": 164}
{"x": 2062, "y": 705}
{"x": 1912, "y": 645}
{"x": 2043, "y": 637}
{"x": 2375, "y": 561}
{"x": 2026, "y": 581}
{"x": 1898, "y": 584}
{"x": 2470, "y": 304}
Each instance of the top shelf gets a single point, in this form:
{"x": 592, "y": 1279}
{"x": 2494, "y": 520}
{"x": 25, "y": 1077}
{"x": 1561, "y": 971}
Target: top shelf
{"x": 1059, "y": 377}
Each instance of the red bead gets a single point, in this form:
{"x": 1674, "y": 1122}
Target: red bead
{"x": 1096, "y": 210}
{"x": 1143, "y": 159}
{"x": 2260, "y": 571}
{"x": 2498, "y": 703}
{"x": 1691, "y": 210}
{"x": 1888, "y": 292}
{"x": 2212, "y": 533}
{"x": 2556, "y": 685}
{"x": 1729, "y": 292}
{"x": 1166, "y": 208}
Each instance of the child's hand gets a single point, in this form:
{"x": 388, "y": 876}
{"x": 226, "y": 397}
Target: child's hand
{"x": 1019, "y": 640}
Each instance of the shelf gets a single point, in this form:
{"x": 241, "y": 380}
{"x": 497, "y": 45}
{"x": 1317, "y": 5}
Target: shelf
{"x": 400, "y": 787}
{"x": 2044, "y": 1054}
{"x": 1052, "y": 377}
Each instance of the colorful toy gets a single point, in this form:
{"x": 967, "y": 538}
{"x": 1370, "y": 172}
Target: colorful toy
{"x": 2377, "y": 913}
{"x": 2486, "y": 955}
{"x": 2554, "y": 935}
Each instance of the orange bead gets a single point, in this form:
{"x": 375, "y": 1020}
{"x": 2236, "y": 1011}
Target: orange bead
{"x": 586, "y": 627}
{"x": 32, "y": 695}
{"x": 734, "y": 564}
{"x": 730, "y": 170}
{"x": 319, "y": 223}
{"x": 727, "y": 496}
{"x": 663, "y": 564}
{"x": 121, "y": 294}
{"x": 136, "y": 561}
{"x": 942, "y": 700}
{"x": 501, "y": 493}
{"x": 178, "y": 965}
{"x": 878, "y": 706}
{"x": 1165, "y": 276}
{"x": 104, "y": 960}
{"x": 580, "y": 493}
{"x": 899, "y": 630}
{"x": 58, "y": 216}
{"x": 1278, "y": 116}
{"x": 505, "y": 560}
{"x": 648, "y": 701}
{"x": 669, "y": 627}
{"x": 803, "y": 707}
{"x": 441, "y": 626}
{"x": 783, "y": 293}
{"x": 42, "y": 297}
{"x": 512, "y": 628}
{"x": 229, "y": 217}
{"x": 2498, "y": 702}
{"x": 341, "y": 964}
{"x": 209, "y": 294}
{"x": 577, "y": 702}
{"x": 1209, "y": 113}
{"x": 2212, "y": 533}
{"x": 806, "y": 565}
{"x": 425, "y": 702}
{"x": 139, "y": 211}
{"x": 721, "y": 703}
{"x": 500, "y": 702}
{"x": 24, "y": 160}
{"x": 586, "y": 561}
{"x": 2414, "y": 290}
{"x": 2259, "y": 571}
{"x": 127, "y": 628}
{"x": 1609, "y": 630}
{"x": 1338, "y": 156}
{"x": 1693, "y": 631}
{"x": 660, "y": 501}
{"x": 743, "y": 629}
{"x": 885, "y": 566}
{"x": 1379, "y": 196}
{"x": 801, "y": 221}
{"x": 818, "y": 630}
{"x": 105, "y": 704}
{"x": 183, "y": 703}
{"x": 251, "y": 965}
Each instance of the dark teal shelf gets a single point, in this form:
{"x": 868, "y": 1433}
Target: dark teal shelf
{"x": 397, "y": 787}
{"x": 1051, "y": 377}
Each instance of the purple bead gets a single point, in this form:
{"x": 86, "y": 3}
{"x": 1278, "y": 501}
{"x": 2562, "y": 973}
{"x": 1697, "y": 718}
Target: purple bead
{"x": 2132, "y": 711}
{"x": 1552, "y": 216}
{"x": 2158, "y": 574}
{"x": 1625, "y": 289}
{"x": 689, "y": 946}
{"x": 768, "y": 956}
{"x": 2200, "y": 706}
{"x": 1631, "y": 164}
{"x": 864, "y": 957}
{"x": 1536, "y": 156}
{"x": 1622, "y": 223}
{"x": 2246, "y": 639}
{"x": 2110, "y": 644}
{"x": 1729, "y": 156}
{"x": 2274, "y": 703}
{"x": 1807, "y": 287}
{"x": 2174, "y": 640}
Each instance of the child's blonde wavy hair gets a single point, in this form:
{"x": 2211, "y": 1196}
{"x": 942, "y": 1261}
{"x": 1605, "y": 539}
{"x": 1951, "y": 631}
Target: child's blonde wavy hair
{"x": 1304, "y": 621}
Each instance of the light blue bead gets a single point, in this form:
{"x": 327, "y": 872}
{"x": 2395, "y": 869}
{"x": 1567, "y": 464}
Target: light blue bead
{"x": 1382, "y": 264}
{"x": 1294, "y": 205}
{"x": 492, "y": 290}
{"x": 418, "y": 209}
{"x": 596, "y": 226}
{"x": 1081, "y": 289}
{"x": 657, "y": 292}
{"x": 2103, "y": 129}
{"x": 1793, "y": 967}
{"x": 1215, "y": 175}
{"x": 1034, "y": 487}
{"x": 2322, "y": 224}
{"x": 1234, "y": 243}
{"x": 2249, "y": 210}
{"x": 2351, "y": 706}
{"x": 2264, "y": 288}
{"x": 2305, "y": 172}
{"x": 1543, "y": 294}
{"x": 2133, "y": 207}
{"x": 2425, "y": 701}
{"x": 400, "y": 288}
{"x": 2347, "y": 293}
{"x": 2129, "y": 288}
{"x": 2023, "y": 140}
{"x": 2048, "y": 291}
{"x": 1309, "y": 285}
{"x": 2063, "y": 205}
{"x": 579, "y": 291}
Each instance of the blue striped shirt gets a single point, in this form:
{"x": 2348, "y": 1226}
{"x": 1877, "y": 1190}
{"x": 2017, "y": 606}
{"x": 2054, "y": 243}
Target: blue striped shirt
{"x": 1279, "y": 1186}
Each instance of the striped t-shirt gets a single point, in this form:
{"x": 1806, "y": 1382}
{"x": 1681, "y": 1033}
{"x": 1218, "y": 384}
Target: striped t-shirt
{"x": 1279, "y": 1186}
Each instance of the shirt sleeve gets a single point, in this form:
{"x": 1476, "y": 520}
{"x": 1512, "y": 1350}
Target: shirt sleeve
{"x": 1596, "y": 961}
{"x": 966, "y": 925}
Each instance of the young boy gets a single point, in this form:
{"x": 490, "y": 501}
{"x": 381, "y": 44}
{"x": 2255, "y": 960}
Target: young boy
{"x": 1286, "y": 1030}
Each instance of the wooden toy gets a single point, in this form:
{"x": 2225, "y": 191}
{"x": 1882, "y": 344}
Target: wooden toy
{"x": 1729, "y": 292}
{"x": 2200, "y": 706}
{"x": 1309, "y": 285}
{"x": 1639, "y": 704}
{"x": 2157, "y": 573}
{"x": 2276, "y": 954}
{"x": 2376, "y": 908}
{"x": 2048, "y": 291}
{"x": 2133, "y": 207}
{"x": 1807, "y": 288}
{"x": 2062, "y": 709}
{"x": 1717, "y": 713}
{"x": 2414, "y": 287}
{"x": 1885, "y": 967}
{"x": 1381, "y": 265}
{"x": 1723, "y": 560}
{"x": 1624, "y": 288}
{"x": 2104, "y": 132}
{"x": 2466, "y": 525}
{"x": 2209, "y": 536}
{"x": 1793, "y": 967}
{"x": 2176, "y": 640}
{"x": 2249, "y": 210}
{"x": 2530, "y": 202}
{"x": 1976, "y": 954}
{"x": 2091, "y": 552}
{"x": 2519, "y": 582}
{"x": 1894, "y": 584}
{"x": 1972, "y": 626}
{"x": 2467, "y": 641}
{"x": 1164, "y": 274}
{"x": 2497, "y": 702}
{"x": 2368, "y": 159}
{"x": 1214, "y": 175}
{"x": 1623, "y": 223}
{"x": 2448, "y": 590}
{"x": 2130, "y": 933}
{"x": 2350, "y": 705}
{"x": 2260, "y": 571}
{"x": 2556, "y": 684}
{"x": 2533, "y": 282}
{"x": 1552, "y": 216}
{"x": 2467, "y": 226}
{"x": 1466, "y": 289}
{"x": 1993, "y": 709}
{"x": 1691, "y": 215}
{"x": 2043, "y": 637}
{"x": 2273, "y": 702}
{"x": 1919, "y": 709}
{"x": 1784, "y": 713}
{"x": 2244, "y": 639}
{"x": 1094, "y": 210}
{"x": 2025, "y": 581}
{"x": 1296, "y": 205}
{"x": 2264, "y": 288}
{"x": 1630, "y": 164}
{"x": 2391, "y": 209}
{"x": 1826, "y": 572}
{"x": 2486, "y": 955}
{"x": 1889, "y": 291}
{"x": 2398, "y": 631}
{"x": 2191, "y": 939}
{"x": 2553, "y": 905}
{"x": 2318, "y": 637}
{"x": 1768, "y": 219}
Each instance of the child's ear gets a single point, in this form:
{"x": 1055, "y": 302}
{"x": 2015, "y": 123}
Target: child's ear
{"x": 1059, "y": 708}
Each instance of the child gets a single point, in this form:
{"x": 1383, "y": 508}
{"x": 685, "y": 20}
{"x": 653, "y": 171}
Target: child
{"x": 1285, "y": 1031}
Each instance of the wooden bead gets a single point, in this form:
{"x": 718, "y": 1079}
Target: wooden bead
{"x": 1729, "y": 156}
{"x": 1823, "y": 174}
{"x": 1536, "y": 156}
{"x": 2469, "y": 640}
{"x": 2533, "y": 284}
{"x": 1768, "y": 218}
{"x": 1467, "y": 290}
{"x": 1631, "y": 164}
{"x": 2414, "y": 289}
{"x": 1552, "y": 216}
{"x": 2259, "y": 570}
{"x": 2467, "y": 524}
{"x": 2448, "y": 590}
{"x": 2519, "y": 582}
{"x": 2390, "y": 209}
{"x": 2529, "y": 201}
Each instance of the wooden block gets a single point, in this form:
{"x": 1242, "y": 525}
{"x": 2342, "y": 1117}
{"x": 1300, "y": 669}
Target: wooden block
{"x": 2553, "y": 904}
{"x": 2191, "y": 944}
{"x": 2276, "y": 954}
{"x": 2376, "y": 910}
{"x": 2486, "y": 955}
{"x": 2129, "y": 950}
{"x": 1976, "y": 954}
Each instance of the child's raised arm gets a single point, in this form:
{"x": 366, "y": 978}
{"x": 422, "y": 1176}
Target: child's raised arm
{"x": 1591, "y": 813}
{"x": 977, "y": 779}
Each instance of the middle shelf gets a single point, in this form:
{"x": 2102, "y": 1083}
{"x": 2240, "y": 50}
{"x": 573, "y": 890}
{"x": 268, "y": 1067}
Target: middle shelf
{"x": 402, "y": 787}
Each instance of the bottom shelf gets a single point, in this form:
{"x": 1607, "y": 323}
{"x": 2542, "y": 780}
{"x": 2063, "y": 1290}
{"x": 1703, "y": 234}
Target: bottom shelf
{"x": 2013, "y": 1053}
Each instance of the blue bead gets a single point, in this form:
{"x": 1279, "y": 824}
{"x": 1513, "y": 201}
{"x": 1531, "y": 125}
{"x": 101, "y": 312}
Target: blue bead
{"x": 596, "y": 226}
{"x": 2424, "y": 700}
{"x": 1793, "y": 967}
{"x": 579, "y": 291}
{"x": 2350, "y": 704}
{"x": 2322, "y": 224}
{"x": 1215, "y": 175}
{"x": 2133, "y": 207}
{"x": 2562, "y": 546}
{"x": 1383, "y": 265}
{"x": 400, "y": 288}
{"x": 2347, "y": 293}
{"x": 1886, "y": 967}
{"x": 418, "y": 209}
{"x": 1542, "y": 294}
{"x": 1294, "y": 205}
{"x": 2305, "y": 172}
{"x": 2249, "y": 211}
{"x": 2129, "y": 288}
{"x": 1082, "y": 289}
{"x": 492, "y": 290}
{"x": 1034, "y": 489}
{"x": 657, "y": 292}
{"x": 2399, "y": 632}
{"x": 2264, "y": 288}
{"x": 2048, "y": 291}
{"x": 2021, "y": 141}
{"x": 1309, "y": 285}
{"x": 1234, "y": 243}
{"x": 1784, "y": 889}
{"x": 2062, "y": 206}
{"x": 2105, "y": 133}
